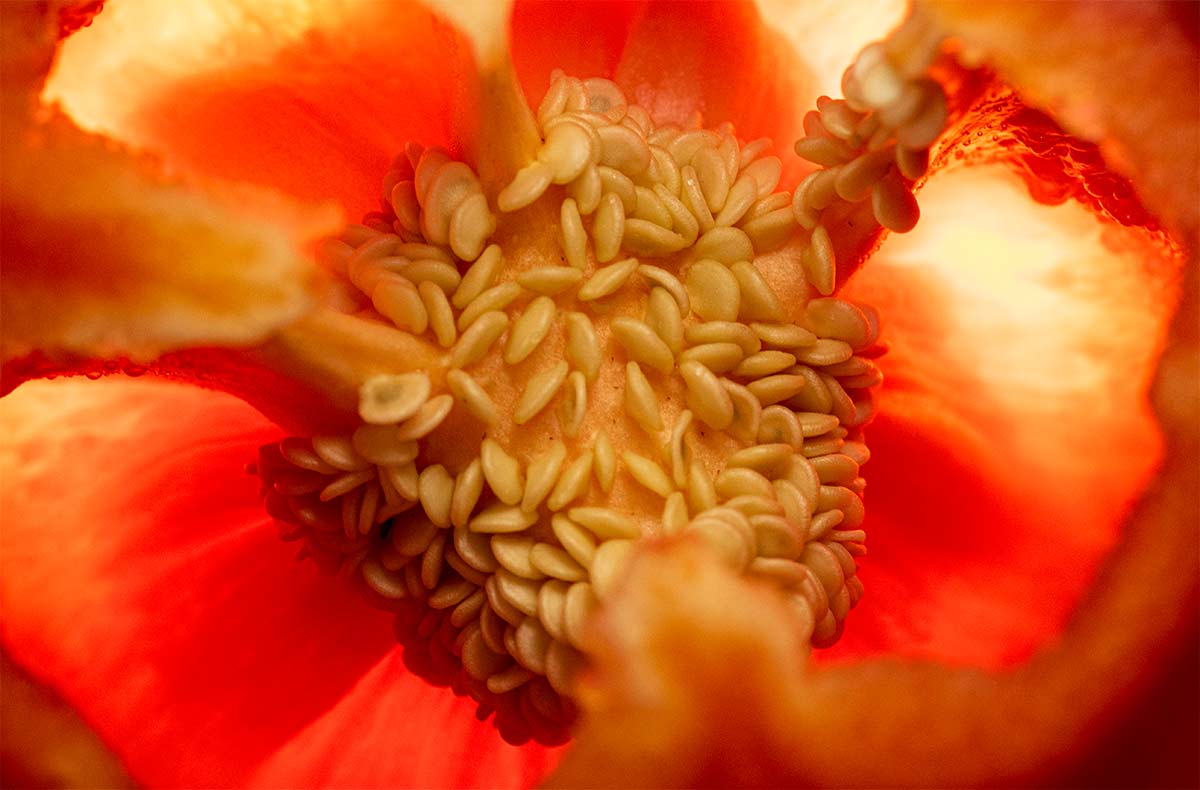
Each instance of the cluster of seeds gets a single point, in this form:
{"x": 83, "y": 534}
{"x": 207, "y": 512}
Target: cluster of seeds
{"x": 650, "y": 363}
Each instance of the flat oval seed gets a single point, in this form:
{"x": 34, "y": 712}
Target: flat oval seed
{"x": 495, "y": 298}
{"x": 557, "y": 563}
{"x": 475, "y": 550}
{"x": 824, "y": 151}
{"x": 501, "y": 518}
{"x": 578, "y": 542}
{"x": 776, "y": 537}
{"x": 475, "y": 342}
{"x": 768, "y": 204}
{"x": 587, "y": 190}
{"x": 771, "y": 230}
{"x": 532, "y": 642}
{"x": 648, "y": 473}
{"x": 479, "y": 277}
{"x": 435, "y": 489}
{"x": 567, "y": 150}
{"x": 581, "y": 602}
{"x": 541, "y": 475}
{"x": 641, "y": 401}
{"x": 713, "y": 177}
{"x": 513, "y": 553}
{"x": 713, "y": 291}
{"x": 607, "y": 280}
{"x": 786, "y": 336}
{"x": 855, "y": 180}
{"x": 583, "y": 347}
{"x": 675, "y": 514}
{"x": 772, "y": 460}
{"x": 468, "y": 486}
{"x": 530, "y": 329}
{"x": 527, "y": 186}
{"x": 742, "y": 195}
{"x": 552, "y": 602}
{"x": 663, "y": 278}
{"x": 617, "y": 183}
{"x": 912, "y": 162}
{"x": 651, "y": 209}
{"x": 707, "y": 399}
{"x": 438, "y": 272}
{"x": 717, "y": 357}
{"x": 572, "y": 409}
{"x": 608, "y": 228}
{"x": 819, "y": 262}
{"x": 693, "y": 197}
{"x": 539, "y": 391}
{"x": 502, "y": 472}
{"x": 840, "y": 320}
{"x": 441, "y": 316}
{"x": 773, "y": 389}
{"x": 724, "y": 332}
{"x": 381, "y": 445}
{"x": 726, "y": 245}
{"x": 470, "y": 226}
{"x": 472, "y": 395}
{"x": 549, "y": 280}
{"x": 825, "y": 352}
{"x": 573, "y": 482}
{"x": 392, "y": 398}
{"x": 814, "y": 424}
{"x": 662, "y": 315}
{"x": 612, "y": 557}
{"x": 398, "y": 300}
{"x": 815, "y": 396}
{"x": 573, "y": 236}
{"x": 682, "y": 220}
{"x": 835, "y": 469}
{"x": 747, "y": 412}
{"x": 825, "y": 565}
{"x": 642, "y": 237}
{"x": 605, "y": 523}
{"x": 623, "y": 149}
{"x": 764, "y": 363}
{"x": 605, "y": 461}
{"x": 731, "y": 543}
{"x": 759, "y": 302}
{"x": 642, "y": 344}
{"x": 766, "y": 173}
{"x": 701, "y": 494}
{"x": 735, "y": 481}
{"x": 521, "y": 593}
{"x": 679, "y": 449}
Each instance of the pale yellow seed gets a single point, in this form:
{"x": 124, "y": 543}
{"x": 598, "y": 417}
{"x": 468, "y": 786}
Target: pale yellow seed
{"x": 567, "y": 150}
{"x": 776, "y": 537}
{"x": 562, "y": 663}
{"x": 389, "y": 399}
{"x": 682, "y": 220}
{"x": 752, "y": 150}
{"x": 824, "y": 151}
{"x": 684, "y": 147}
{"x": 726, "y": 245}
{"x": 381, "y": 445}
{"x": 521, "y": 593}
{"x": 768, "y": 204}
{"x": 795, "y": 506}
{"x": 713, "y": 176}
{"x": 617, "y": 183}
{"x": 773, "y": 389}
{"x": 604, "y": 461}
{"x": 664, "y": 279}
{"x": 707, "y": 399}
{"x": 577, "y": 541}
{"x": 530, "y": 329}
{"x": 642, "y": 237}
{"x": 572, "y": 409}
{"x": 824, "y": 522}
{"x": 549, "y": 280}
{"x": 836, "y": 469}
{"x": 500, "y": 519}
{"x": 779, "y": 424}
{"x": 474, "y": 549}
{"x": 479, "y": 277}
{"x": 648, "y": 473}
{"x": 499, "y": 603}
{"x": 785, "y": 336}
{"x": 555, "y": 100}
{"x": 345, "y": 484}
{"x": 299, "y": 452}
{"x": 701, "y": 493}
{"x": 441, "y": 317}
{"x": 531, "y": 642}
{"x": 608, "y": 229}
{"x": 403, "y": 479}
{"x": 742, "y": 195}
{"x": 717, "y": 357}
{"x": 552, "y": 602}
{"x": 814, "y": 424}
{"x": 650, "y": 208}
{"x": 541, "y": 475}
{"x": 764, "y": 363}
{"x": 724, "y": 332}
{"x": 495, "y": 298}
{"x": 732, "y": 543}
{"x": 612, "y": 558}
{"x": 398, "y": 300}
{"x": 442, "y": 185}
{"x": 527, "y": 186}
{"x": 502, "y": 472}
{"x": 667, "y": 170}
{"x": 512, "y": 552}
{"x": 470, "y": 226}
{"x": 539, "y": 391}
{"x": 642, "y": 344}
{"x": 759, "y": 302}
{"x": 663, "y": 316}
{"x": 557, "y": 563}
{"x": 581, "y": 603}
{"x": 416, "y": 251}
{"x": 825, "y": 352}
{"x": 438, "y": 272}
{"x": 623, "y": 149}
{"x": 435, "y": 489}
{"x": 473, "y": 396}
{"x": 474, "y": 343}
{"x": 679, "y": 449}
{"x": 770, "y": 231}
{"x": 583, "y": 347}
{"x": 572, "y": 235}
{"x": 713, "y": 291}
{"x": 855, "y": 179}
{"x": 587, "y": 190}
{"x": 572, "y": 483}
{"x": 607, "y": 280}
{"x": 766, "y": 173}
{"x": 747, "y": 412}
{"x": 805, "y": 479}
{"x": 819, "y": 263}
{"x": 754, "y": 505}
{"x": 339, "y": 452}
{"x": 735, "y": 481}
{"x": 641, "y": 401}
{"x": 675, "y": 514}
{"x": 772, "y": 460}
{"x": 693, "y": 197}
